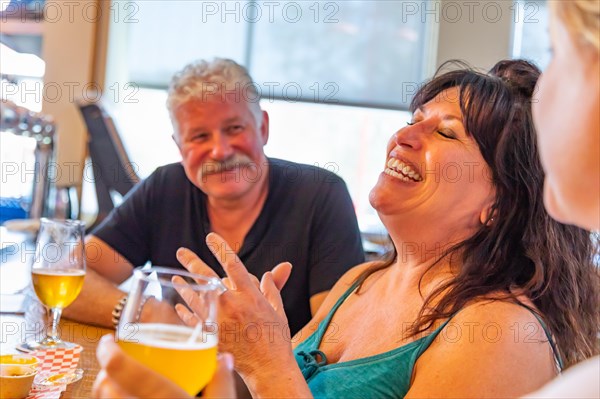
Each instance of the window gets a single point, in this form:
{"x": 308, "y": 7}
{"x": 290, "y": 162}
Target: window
{"x": 359, "y": 53}
{"x": 163, "y": 36}
{"x": 531, "y": 35}
{"x": 315, "y": 51}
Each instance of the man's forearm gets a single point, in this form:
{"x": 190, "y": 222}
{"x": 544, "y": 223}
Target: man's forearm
{"x": 95, "y": 303}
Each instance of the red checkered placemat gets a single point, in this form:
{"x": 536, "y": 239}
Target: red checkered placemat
{"x": 54, "y": 361}
{"x": 47, "y": 393}
{"x": 58, "y": 360}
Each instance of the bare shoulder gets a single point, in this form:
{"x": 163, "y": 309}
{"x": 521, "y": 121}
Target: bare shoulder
{"x": 493, "y": 326}
{"x": 499, "y": 326}
{"x": 500, "y": 313}
{"x": 493, "y": 341}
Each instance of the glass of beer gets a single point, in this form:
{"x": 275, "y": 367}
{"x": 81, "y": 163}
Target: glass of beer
{"x": 151, "y": 331}
{"x": 57, "y": 273}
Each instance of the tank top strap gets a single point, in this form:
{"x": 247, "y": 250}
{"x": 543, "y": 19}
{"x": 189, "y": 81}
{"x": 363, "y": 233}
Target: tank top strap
{"x": 325, "y": 322}
{"x": 557, "y": 357}
{"x": 427, "y": 340}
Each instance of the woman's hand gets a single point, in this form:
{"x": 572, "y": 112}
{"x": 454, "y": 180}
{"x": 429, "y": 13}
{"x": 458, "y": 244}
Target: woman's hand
{"x": 122, "y": 376}
{"x": 252, "y": 322}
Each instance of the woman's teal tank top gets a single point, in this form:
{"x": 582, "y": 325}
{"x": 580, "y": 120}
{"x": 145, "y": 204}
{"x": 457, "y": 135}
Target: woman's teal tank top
{"x": 386, "y": 375}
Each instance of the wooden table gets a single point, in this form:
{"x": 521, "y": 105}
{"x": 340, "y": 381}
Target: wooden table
{"x": 16, "y": 327}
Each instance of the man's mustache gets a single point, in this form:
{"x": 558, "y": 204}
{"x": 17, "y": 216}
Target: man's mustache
{"x": 236, "y": 161}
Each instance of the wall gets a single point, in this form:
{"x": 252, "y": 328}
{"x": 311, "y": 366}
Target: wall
{"x": 69, "y": 50}
{"x": 479, "y": 32}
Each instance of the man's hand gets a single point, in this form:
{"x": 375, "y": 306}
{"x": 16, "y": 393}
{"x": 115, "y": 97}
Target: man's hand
{"x": 123, "y": 377}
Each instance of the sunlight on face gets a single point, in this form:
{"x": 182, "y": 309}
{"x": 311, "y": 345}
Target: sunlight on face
{"x": 566, "y": 111}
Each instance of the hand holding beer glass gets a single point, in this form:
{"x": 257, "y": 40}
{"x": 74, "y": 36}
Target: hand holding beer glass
{"x": 185, "y": 355}
{"x": 57, "y": 272}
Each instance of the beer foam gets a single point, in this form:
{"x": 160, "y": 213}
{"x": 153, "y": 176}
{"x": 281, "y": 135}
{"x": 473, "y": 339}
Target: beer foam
{"x": 170, "y": 336}
{"x": 58, "y": 272}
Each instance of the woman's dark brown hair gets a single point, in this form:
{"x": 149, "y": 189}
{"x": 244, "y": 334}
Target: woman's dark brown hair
{"x": 524, "y": 248}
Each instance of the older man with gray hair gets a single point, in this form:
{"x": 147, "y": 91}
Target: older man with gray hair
{"x": 268, "y": 210}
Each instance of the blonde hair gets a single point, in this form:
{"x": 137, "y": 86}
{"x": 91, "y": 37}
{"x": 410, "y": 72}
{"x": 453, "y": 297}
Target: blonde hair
{"x": 581, "y": 17}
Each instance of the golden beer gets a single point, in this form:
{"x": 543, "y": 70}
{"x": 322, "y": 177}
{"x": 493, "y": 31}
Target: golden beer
{"x": 57, "y": 288}
{"x": 165, "y": 349}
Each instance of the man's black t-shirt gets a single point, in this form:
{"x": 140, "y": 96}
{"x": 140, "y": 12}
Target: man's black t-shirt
{"x": 307, "y": 219}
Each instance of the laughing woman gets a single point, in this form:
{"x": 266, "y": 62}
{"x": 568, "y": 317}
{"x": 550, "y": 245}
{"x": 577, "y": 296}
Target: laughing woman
{"x": 484, "y": 296}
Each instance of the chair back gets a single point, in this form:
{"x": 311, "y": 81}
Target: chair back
{"x": 113, "y": 171}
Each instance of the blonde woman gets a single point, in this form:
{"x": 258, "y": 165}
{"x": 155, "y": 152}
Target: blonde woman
{"x": 567, "y": 117}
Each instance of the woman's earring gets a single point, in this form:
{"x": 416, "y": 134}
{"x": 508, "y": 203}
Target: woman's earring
{"x": 483, "y": 217}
